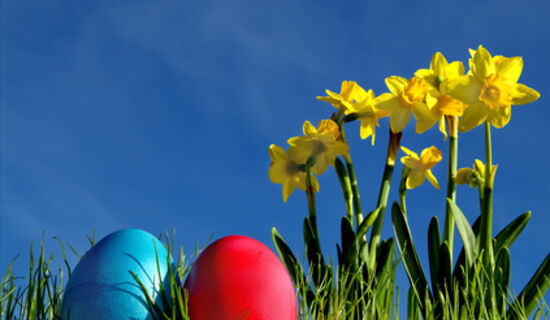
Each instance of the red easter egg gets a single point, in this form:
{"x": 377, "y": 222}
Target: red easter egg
{"x": 237, "y": 276}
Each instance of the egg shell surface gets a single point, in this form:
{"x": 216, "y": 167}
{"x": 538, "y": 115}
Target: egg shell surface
{"x": 101, "y": 286}
{"x": 237, "y": 276}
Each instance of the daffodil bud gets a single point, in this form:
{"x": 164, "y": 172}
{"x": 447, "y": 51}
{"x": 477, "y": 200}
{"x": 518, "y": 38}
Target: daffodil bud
{"x": 469, "y": 177}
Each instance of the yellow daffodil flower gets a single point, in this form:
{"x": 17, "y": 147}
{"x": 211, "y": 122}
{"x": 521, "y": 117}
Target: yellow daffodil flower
{"x": 474, "y": 177}
{"x": 490, "y": 89}
{"x": 439, "y": 102}
{"x": 368, "y": 114}
{"x": 321, "y": 143}
{"x": 440, "y": 70}
{"x": 287, "y": 170}
{"x": 349, "y": 93}
{"x": 420, "y": 167}
{"x": 406, "y": 96}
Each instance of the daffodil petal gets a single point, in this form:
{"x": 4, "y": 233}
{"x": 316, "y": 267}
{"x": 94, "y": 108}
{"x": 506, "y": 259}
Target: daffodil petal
{"x": 288, "y": 189}
{"x": 424, "y": 117}
{"x": 510, "y": 68}
{"x": 328, "y": 99}
{"x": 382, "y": 114}
{"x": 277, "y": 153}
{"x": 300, "y": 181}
{"x": 358, "y": 93}
{"x": 415, "y": 178}
{"x": 367, "y": 129}
{"x": 321, "y": 165}
{"x": 387, "y": 102}
{"x": 465, "y": 88}
{"x": 422, "y": 125}
{"x": 277, "y": 173}
{"x": 396, "y": 84}
{"x": 314, "y": 183}
{"x": 498, "y": 59}
{"x": 442, "y": 127}
{"x": 431, "y": 98}
{"x": 300, "y": 150}
{"x": 339, "y": 148}
{"x": 347, "y": 88}
{"x": 399, "y": 119}
{"x": 423, "y": 73}
{"x": 500, "y": 117}
{"x": 409, "y": 152}
{"x": 299, "y": 144}
{"x": 432, "y": 179}
{"x": 370, "y": 95}
{"x": 309, "y": 129}
{"x": 473, "y": 116}
{"x": 438, "y": 64}
{"x": 334, "y": 95}
{"x": 524, "y": 94}
{"x": 409, "y": 162}
{"x": 482, "y": 63}
{"x": 454, "y": 70}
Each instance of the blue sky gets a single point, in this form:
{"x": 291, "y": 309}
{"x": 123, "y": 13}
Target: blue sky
{"x": 158, "y": 115}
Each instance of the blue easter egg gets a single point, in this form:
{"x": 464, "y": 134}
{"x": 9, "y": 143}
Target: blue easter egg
{"x": 101, "y": 286}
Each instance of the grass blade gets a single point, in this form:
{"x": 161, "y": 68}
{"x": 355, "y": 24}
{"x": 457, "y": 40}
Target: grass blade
{"x": 466, "y": 233}
{"x": 534, "y": 290}
{"x": 410, "y": 257}
{"x": 508, "y": 235}
{"x": 434, "y": 242}
{"x": 287, "y": 257}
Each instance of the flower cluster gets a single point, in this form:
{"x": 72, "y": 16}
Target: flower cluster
{"x": 458, "y": 101}
{"x": 312, "y": 152}
{"x": 442, "y": 94}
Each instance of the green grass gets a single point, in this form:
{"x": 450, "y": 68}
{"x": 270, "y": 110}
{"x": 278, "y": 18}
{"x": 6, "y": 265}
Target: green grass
{"x": 38, "y": 294}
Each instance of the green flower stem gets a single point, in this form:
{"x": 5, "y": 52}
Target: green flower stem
{"x": 448, "y": 231}
{"x": 353, "y": 179}
{"x": 339, "y": 114}
{"x": 393, "y": 147}
{"x": 403, "y": 188}
{"x": 345, "y": 183}
{"x": 480, "y": 192}
{"x": 487, "y": 209}
{"x": 354, "y": 190}
{"x": 310, "y": 194}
